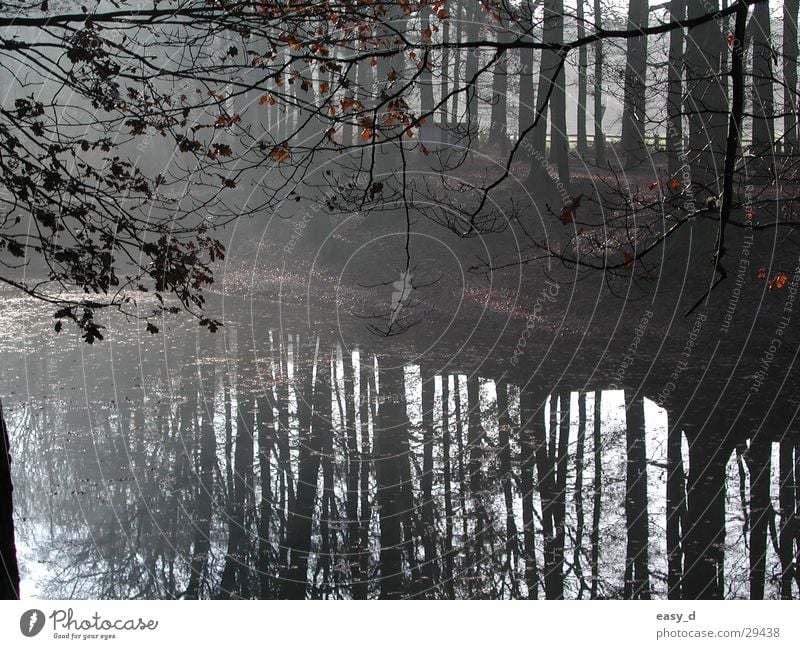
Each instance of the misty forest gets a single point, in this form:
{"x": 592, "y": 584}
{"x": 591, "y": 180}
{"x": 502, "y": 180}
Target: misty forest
{"x": 399, "y": 299}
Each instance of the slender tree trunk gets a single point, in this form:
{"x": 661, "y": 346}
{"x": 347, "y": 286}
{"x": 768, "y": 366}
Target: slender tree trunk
{"x": 474, "y": 18}
{"x": 425, "y": 77}
{"x": 637, "y": 521}
{"x": 705, "y": 98}
{"x": 583, "y": 65}
{"x": 498, "y": 128}
{"x": 559, "y": 138}
{"x": 599, "y": 106}
{"x": 634, "y": 104}
{"x": 9, "y": 570}
{"x": 445, "y": 118}
{"x": 763, "y": 109}
{"x": 759, "y": 464}
{"x": 675, "y": 92}
{"x": 544, "y": 98}
{"x": 790, "y": 55}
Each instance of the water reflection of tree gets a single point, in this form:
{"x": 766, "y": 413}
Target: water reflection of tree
{"x": 351, "y": 476}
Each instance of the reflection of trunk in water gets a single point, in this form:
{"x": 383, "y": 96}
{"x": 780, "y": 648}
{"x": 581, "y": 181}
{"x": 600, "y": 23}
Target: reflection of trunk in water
{"x": 388, "y": 454}
{"x": 531, "y": 415}
{"x": 704, "y": 537}
{"x": 235, "y": 580}
{"x": 676, "y": 507}
{"x": 353, "y": 465}
{"x": 637, "y": 521}
{"x": 786, "y": 503}
{"x": 759, "y": 467}
{"x": 299, "y": 523}
{"x": 205, "y": 488}
{"x": 428, "y": 527}
{"x": 448, "y": 578}
{"x": 9, "y": 572}
{"x": 475, "y": 435}
{"x": 505, "y": 429}
{"x": 580, "y": 454}
{"x": 321, "y": 422}
{"x": 597, "y": 492}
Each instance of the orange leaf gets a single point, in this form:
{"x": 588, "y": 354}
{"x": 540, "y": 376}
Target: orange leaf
{"x": 762, "y": 273}
{"x": 266, "y": 99}
{"x": 780, "y": 280}
{"x": 366, "y": 134}
{"x": 675, "y": 184}
{"x": 323, "y": 87}
{"x": 280, "y": 153}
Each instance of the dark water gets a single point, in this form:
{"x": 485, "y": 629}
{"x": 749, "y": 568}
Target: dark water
{"x": 266, "y": 463}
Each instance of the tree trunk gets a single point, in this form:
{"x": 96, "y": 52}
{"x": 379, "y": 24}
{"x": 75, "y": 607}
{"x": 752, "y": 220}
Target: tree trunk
{"x": 634, "y": 104}
{"x": 583, "y": 65}
{"x": 763, "y": 110}
{"x": 705, "y": 99}
{"x": 498, "y": 127}
{"x": 599, "y": 107}
{"x": 559, "y": 138}
{"x": 790, "y": 55}
{"x": 9, "y": 575}
{"x": 674, "y": 136}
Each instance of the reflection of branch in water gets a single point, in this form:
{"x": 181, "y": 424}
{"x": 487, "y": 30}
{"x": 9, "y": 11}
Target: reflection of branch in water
{"x": 402, "y": 314}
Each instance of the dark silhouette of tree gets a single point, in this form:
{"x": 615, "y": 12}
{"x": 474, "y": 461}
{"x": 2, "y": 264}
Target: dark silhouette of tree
{"x": 637, "y": 520}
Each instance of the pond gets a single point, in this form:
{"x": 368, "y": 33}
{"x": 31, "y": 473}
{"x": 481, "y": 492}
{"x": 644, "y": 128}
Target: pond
{"x": 265, "y": 462}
